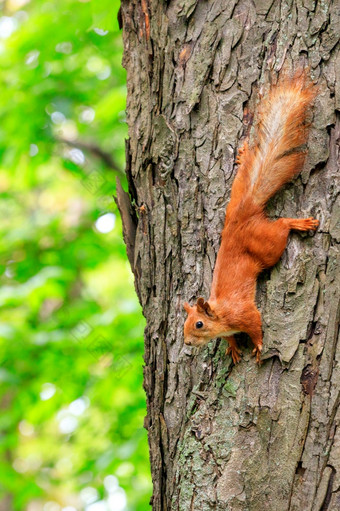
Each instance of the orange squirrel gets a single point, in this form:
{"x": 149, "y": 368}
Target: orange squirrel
{"x": 250, "y": 241}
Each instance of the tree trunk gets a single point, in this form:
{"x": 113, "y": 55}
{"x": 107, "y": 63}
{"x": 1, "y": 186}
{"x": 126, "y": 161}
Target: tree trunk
{"x": 225, "y": 437}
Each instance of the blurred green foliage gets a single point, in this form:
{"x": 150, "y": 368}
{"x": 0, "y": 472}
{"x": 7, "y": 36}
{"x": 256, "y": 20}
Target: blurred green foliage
{"x": 71, "y": 396}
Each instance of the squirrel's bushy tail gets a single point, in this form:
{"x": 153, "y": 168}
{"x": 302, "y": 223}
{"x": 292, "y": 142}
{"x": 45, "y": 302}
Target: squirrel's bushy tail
{"x": 278, "y": 153}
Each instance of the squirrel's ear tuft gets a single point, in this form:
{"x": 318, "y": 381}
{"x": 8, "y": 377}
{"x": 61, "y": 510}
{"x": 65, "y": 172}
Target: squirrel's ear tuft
{"x": 210, "y": 311}
{"x": 200, "y": 305}
{"x": 186, "y": 307}
{"x": 203, "y": 306}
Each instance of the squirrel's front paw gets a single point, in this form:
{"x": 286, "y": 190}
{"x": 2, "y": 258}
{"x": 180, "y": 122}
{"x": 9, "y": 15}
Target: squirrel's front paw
{"x": 235, "y": 353}
{"x": 257, "y": 351}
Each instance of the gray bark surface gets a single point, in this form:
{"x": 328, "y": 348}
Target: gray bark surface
{"x": 225, "y": 437}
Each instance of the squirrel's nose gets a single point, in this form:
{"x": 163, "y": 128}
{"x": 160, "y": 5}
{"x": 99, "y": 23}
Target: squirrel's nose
{"x": 187, "y": 341}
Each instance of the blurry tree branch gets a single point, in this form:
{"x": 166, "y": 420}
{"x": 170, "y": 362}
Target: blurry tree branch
{"x": 96, "y": 151}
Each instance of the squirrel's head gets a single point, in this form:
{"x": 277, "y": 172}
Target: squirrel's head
{"x": 201, "y": 325}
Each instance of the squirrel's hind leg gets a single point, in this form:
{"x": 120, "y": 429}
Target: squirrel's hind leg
{"x": 274, "y": 235}
{"x": 267, "y": 240}
{"x": 302, "y": 224}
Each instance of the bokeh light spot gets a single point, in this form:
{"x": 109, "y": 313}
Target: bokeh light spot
{"x": 47, "y": 391}
{"x": 106, "y": 223}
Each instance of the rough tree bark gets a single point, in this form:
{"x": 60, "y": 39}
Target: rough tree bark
{"x": 228, "y": 437}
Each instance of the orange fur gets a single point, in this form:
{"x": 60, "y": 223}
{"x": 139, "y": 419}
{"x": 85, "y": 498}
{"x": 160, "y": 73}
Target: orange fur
{"x": 250, "y": 241}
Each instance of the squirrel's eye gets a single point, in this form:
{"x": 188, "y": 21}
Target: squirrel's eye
{"x": 199, "y": 324}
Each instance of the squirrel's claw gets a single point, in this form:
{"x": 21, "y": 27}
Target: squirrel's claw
{"x": 257, "y": 351}
{"x": 312, "y": 223}
{"x": 235, "y": 353}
